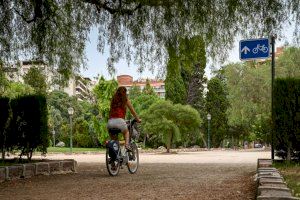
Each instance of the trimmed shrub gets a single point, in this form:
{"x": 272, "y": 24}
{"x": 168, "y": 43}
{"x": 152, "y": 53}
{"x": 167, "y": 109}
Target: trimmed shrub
{"x": 4, "y": 120}
{"x": 29, "y": 128}
{"x": 286, "y": 116}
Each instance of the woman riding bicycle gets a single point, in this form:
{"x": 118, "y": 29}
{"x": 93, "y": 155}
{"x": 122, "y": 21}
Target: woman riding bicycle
{"x": 117, "y": 114}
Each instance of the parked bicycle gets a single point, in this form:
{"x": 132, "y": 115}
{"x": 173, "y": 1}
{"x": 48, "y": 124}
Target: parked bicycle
{"x": 117, "y": 155}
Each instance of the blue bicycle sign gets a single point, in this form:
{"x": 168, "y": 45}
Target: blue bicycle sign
{"x": 261, "y": 48}
{"x": 254, "y": 49}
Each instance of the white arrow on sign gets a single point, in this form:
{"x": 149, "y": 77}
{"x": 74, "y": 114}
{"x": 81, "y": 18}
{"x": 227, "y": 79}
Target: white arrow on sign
{"x": 245, "y": 50}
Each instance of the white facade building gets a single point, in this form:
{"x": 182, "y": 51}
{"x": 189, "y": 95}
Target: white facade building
{"x": 77, "y": 86}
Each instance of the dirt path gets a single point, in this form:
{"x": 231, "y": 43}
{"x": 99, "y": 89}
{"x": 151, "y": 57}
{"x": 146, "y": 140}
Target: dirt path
{"x": 154, "y": 180}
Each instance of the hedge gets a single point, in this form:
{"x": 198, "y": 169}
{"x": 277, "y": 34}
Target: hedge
{"x": 27, "y": 128}
{"x": 286, "y": 116}
{"x": 4, "y": 119}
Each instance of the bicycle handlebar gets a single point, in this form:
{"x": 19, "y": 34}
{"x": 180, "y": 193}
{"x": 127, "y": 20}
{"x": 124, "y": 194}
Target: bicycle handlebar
{"x": 131, "y": 121}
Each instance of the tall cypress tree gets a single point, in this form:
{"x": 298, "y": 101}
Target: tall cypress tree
{"x": 196, "y": 86}
{"x": 217, "y": 105}
{"x": 174, "y": 84}
{"x": 185, "y": 72}
{"x": 193, "y": 71}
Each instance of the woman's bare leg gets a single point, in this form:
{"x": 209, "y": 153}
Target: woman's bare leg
{"x": 126, "y": 136}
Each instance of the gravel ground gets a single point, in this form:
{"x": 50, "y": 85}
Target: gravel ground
{"x": 194, "y": 175}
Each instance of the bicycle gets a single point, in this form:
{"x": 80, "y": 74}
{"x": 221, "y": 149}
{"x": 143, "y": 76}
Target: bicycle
{"x": 262, "y": 48}
{"x": 117, "y": 155}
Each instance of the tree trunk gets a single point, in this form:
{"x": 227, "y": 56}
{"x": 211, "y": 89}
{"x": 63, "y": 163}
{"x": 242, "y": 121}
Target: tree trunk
{"x": 169, "y": 143}
{"x": 21, "y": 154}
{"x": 29, "y": 155}
{"x": 144, "y": 141}
{"x": 168, "y": 149}
{"x": 3, "y": 145}
{"x": 288, "y": 156}
{"x": 3, "y": 154}
{"x": 203, "y": 140}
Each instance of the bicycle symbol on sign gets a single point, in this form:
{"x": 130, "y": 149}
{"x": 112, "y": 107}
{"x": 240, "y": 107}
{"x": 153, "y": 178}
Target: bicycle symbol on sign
{"x": 262, "y": 48}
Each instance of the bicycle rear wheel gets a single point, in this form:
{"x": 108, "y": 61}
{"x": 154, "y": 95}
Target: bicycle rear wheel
{"x": 133, "y": 159}
{"x": 113, "y": 166}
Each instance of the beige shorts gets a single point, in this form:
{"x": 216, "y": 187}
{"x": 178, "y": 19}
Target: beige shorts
{"x": 118, "y": 123}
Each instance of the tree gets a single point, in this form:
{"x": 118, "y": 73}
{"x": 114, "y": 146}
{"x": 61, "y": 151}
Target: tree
{"x": 85, "y": 117}
{"x": 185, "y": 72}
{"x": 141, "y": 104}
{"x": 58, "y": 104}
{"x": 18, "y": 89}
{"x": 286, "y": 118}
{"x": 288, "y": 64}
{"x": 217, "y": 105}
{"x": 62, "y": 101}
{"x": 148, "y": 89}
{"x": 104, "y": 92}
{"x": 28, "y": 126}
{"x": 134, "y": 92}
{"x": 36, "y": 79}
{"x": 249, "y": 94}
{"x": 55, "y": 121}
{"x": 169, "y": 123}
{"x": 57, "y": 30}
{"x": 5, "y": 117}
{"x": 3, "y": 81}
{"x": 174, "y": 84}
{"x": 89, "y": 115}
{"x": 193, "y": 61}
{"x": 82, "y": 137}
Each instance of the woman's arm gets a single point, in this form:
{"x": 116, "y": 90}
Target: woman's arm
{"x": 128, "y": 103}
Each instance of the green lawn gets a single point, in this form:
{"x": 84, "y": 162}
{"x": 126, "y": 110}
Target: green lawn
{"x": 75, "y": 150}
{"x": 291, "y": 174}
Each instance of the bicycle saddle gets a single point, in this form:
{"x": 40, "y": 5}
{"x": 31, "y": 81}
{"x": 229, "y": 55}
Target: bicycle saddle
{"x": 114, "y": 131}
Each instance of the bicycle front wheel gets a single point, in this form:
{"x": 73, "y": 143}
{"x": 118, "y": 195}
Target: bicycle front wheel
{"x": 133, "y": 159}
{"x": 112, "y": 165}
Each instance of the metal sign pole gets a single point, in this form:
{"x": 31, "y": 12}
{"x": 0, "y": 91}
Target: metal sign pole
{"x": 252, "y": 49}
{"x": 272, "y": 93}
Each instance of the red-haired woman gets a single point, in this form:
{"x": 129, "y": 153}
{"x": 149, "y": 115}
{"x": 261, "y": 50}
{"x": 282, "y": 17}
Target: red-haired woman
{"x": 117, "y": 113}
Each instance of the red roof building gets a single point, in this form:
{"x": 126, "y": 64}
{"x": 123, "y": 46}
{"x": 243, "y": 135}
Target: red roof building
{"x": 157, "y": 85}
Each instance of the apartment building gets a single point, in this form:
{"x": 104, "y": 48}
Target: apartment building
{"x": 16, "y": 72}
{"x": 78, "y": 86}
{"x": 157, "y": 85}
{"x": 83, "y": 88}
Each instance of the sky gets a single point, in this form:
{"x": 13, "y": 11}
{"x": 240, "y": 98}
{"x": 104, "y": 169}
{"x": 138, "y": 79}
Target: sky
{"x": 96, "y": 62}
